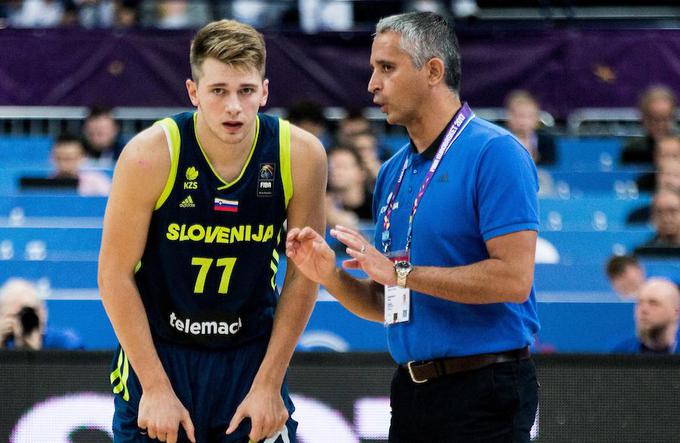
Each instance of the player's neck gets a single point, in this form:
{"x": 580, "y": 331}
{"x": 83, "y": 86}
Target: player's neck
{"x": 433, "y": 119}
{"x": 221, "y": 153}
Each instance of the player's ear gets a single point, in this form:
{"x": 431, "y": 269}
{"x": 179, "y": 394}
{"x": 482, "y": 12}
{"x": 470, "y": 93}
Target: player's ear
{"x": 192, "y": 90}
{"x": 265, "y": 92}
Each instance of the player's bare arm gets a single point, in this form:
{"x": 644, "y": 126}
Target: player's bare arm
{"x": 138, "y": 181}
{"x": 263, "y": 404}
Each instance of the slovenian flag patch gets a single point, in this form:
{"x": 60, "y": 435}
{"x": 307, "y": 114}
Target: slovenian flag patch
{"x": 225, "y": 205}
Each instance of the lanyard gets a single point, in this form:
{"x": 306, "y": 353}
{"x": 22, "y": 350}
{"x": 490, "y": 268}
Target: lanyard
{"x": 458, "y": 123}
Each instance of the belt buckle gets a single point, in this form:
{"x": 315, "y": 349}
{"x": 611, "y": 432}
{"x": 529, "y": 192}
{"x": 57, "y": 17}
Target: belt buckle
{"x": 409, "y": 365}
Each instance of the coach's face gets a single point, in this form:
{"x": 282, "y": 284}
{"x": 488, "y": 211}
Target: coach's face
{"x": 397, "y": 86}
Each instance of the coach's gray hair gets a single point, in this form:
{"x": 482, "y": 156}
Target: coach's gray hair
{"x": 425, "y": 35}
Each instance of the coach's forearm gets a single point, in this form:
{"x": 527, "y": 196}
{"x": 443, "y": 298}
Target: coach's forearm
{"x": 364, "y": 298}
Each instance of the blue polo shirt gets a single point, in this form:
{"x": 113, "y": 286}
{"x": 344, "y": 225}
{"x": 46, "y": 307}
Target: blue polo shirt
{"x": 485, "y": 186}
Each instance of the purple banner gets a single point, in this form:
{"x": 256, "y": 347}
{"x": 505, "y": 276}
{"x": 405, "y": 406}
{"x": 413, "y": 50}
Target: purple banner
{"x": 565, "y": 69}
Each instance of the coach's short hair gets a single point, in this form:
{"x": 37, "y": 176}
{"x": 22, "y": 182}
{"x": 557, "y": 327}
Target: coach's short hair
{"x": 425, "y": 35}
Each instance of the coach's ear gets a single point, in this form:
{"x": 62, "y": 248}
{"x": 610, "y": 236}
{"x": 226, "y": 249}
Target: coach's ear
{"x": 435, "y": 71}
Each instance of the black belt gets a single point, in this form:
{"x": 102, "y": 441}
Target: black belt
{"x": 422, "y": 371}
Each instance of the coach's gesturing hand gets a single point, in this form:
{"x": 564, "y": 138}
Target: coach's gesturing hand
{"x": 161, "y": 413}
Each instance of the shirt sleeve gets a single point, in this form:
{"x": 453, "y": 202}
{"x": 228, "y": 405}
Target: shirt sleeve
{"x": 507, "y": 189}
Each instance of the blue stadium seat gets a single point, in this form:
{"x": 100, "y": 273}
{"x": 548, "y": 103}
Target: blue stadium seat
{"x": 617, "y": 184}
{"x": 579, "y": 247}
{"x": 68, "y": 244}
{"x": 58, "y": 274}
{"x": 587, "y": 213}
{"x": 50, "y": 205}
{"x": 588, "y": 154}
{"x": 29, "y": 152}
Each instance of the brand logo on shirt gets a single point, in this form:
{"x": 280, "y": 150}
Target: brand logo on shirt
{"x": 187, "y": 203}
{"x": 265, "y": 180}
{"x": 191, "y": 175}
{"x": 195, "y": 327}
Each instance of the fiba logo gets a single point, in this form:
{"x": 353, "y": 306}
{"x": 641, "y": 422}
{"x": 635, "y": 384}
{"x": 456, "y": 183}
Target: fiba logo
{"x": 267, "y": 171}
{"x": 265, "y": 180}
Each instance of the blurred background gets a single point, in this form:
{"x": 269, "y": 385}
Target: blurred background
{"x": 589, "y": 88}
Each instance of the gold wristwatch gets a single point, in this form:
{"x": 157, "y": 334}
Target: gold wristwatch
{"x": 403, "y": 269}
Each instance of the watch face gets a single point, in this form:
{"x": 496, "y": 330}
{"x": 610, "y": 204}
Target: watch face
{"x": 402, "y": 265}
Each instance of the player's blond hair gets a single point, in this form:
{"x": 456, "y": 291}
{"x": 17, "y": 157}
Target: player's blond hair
{"x": 230, "y": 42}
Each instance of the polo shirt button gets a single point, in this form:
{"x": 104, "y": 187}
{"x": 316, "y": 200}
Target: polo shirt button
{"x": 415, "y": 171}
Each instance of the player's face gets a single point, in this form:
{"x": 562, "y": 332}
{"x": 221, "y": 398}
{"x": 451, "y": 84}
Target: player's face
{"x": 397, "y": 86}
{"x": 228, "y": 99}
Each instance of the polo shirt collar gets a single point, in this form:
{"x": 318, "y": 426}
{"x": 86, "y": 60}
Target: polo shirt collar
{"x": 431, "y": 150}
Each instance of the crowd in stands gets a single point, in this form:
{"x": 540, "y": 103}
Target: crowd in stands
{"x": 308, "y": 15}
{"x": 356, "y": 150}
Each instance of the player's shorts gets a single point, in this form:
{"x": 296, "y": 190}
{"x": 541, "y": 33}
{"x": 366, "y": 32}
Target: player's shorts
{"x": 210, "y": 384}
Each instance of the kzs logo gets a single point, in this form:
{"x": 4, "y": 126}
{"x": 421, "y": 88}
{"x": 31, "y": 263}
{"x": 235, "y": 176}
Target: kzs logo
{"x": 191, "y": 175}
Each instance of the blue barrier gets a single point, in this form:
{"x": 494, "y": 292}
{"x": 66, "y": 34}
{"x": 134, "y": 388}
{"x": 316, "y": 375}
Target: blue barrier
{"x": 588, "y": 154}
{"x": 588, "y": 213}
{"x": 25, "y": 151}
{"x": 567, "y": 327}
{"x": 50, "y": 243}
{"x": 594, "y": 247}
{"x": 46, "y": 205}
{"x": 615, "y": 184}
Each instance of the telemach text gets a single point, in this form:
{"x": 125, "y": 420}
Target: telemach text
{"x": 189, "y": 326}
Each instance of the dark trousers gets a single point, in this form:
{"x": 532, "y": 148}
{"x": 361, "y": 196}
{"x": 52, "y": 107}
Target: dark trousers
{"x": 494, "y": 404}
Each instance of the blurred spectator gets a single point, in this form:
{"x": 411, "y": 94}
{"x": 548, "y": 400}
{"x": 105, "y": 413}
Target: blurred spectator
{"x": 181, "y": 14}
{"x": 658, "y": 116}
{"x": 325, "y": 15}
{"x": 36, "y": 13}
{"x": 349, "y": 199}
{"x": 464, "y": 8}
{"x": 352, "y": 124}
{"x": 366, "y": 144}
{"x": 656, "y": 320}
{"x": 23, "y": 320}
{"x": 102, "y": 139}
{"x": 356, "y": 130}
{"x": 107, "y": 13}
{"x": 626, "y": 275}
{"x": 68, "y": 156}
{"x": 259, "y": 13}
{"x": 309, "y": 116}
{"x": 127, "y": 13}
{"x": 523, "y": 121}
{"x": 666, "y": 220}
{"x": 666, "y": 157}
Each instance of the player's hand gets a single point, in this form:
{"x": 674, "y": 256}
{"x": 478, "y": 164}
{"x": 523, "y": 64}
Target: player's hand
{"x": 311, "y": 254}
{"x": 365, "y": 256}
{"x": 267, "y": 413}
{"x": 161, "y": 413}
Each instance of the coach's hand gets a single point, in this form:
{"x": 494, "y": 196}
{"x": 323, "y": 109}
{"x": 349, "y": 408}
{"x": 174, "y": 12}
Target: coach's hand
{"x": 268, "y": 414}
{"x": 161, "y": 413}
{"x": 365, "y": 256}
